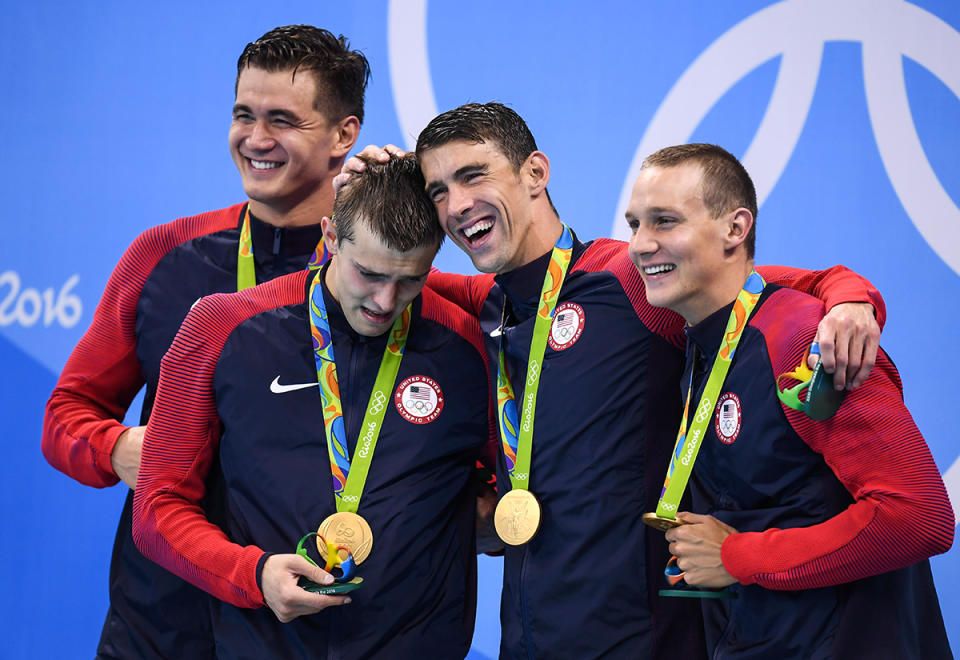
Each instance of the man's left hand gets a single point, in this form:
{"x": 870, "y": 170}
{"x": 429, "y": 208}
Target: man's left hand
{"x": 849, "y": 337}
{"x": 697, "y": 547}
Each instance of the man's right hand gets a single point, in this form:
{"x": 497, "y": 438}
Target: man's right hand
{"x": 125, "y": 457}
{"x": 282, "y": 594}
{"x": 355, "y": 164}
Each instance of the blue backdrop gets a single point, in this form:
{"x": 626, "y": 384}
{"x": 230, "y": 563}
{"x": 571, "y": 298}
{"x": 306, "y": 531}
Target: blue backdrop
{"x": 846, "y": 112}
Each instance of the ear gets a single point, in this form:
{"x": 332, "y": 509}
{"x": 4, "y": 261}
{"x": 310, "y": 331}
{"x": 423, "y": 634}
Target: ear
{"x": 347, "y": 131}
{"x": 329, "y": 234}
{"x": 535, "y": 172}
{"x": 738, "y": 227}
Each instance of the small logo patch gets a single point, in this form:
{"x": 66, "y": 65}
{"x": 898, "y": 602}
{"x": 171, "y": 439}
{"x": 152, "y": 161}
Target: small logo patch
{"x": 567, "y": 326}
{"x": 419, "y": 399}
{"x": 728, "y": 418}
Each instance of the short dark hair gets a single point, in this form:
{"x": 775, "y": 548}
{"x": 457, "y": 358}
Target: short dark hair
{"x": 341, "y": 74}
{"x": 724, "y": 184}
{"x": 478, "y": 123}
{"x": 390, "y": 198}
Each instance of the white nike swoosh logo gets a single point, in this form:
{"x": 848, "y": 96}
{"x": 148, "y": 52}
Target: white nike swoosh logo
{"x": 277, "y": 388}
{"x": 496, "y": 332}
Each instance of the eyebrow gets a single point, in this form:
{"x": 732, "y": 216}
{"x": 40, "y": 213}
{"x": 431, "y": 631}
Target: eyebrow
{"x": 459, "y": 175}
{"x": 282, "y": 114}
{"x": 374, "y": 273}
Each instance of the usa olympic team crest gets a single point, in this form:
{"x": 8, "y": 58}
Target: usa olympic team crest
{"x": 419, "y": 399}
{"x": 728, "y": 417}
{"x": 567, "y": 326}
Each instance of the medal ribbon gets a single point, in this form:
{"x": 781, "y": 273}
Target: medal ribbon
{"x": 348, "y": 484}
{"x": 688, "y": 442}
{"x": 516, "y": 438}
{"x": 246, "y": 273}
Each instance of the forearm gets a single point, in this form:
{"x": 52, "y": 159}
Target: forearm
{"x": 833, "y": 286}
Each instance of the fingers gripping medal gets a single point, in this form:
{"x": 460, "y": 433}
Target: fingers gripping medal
{"x": 347, "y": 528}
{"x": 339, "y": 563}
{"x": 518, "y": 514}
{"x": 822, "y": 400}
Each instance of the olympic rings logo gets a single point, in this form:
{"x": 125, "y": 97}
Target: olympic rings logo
{"x": 423, "y": 407}
{"x": 533, "y": 373}
{"x": 377, "y": 401}
{"x": 668, "y": 506}
{"x": 350, "y": 498}
{"x": 704, "y": 411}
{"x": 520, "y": 476}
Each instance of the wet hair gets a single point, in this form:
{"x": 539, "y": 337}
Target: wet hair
{"x": 724, "y": 183}
{"x": 390, "y": 199}
{"x": 341, "y": 74}
{"x": 480, "y": 123}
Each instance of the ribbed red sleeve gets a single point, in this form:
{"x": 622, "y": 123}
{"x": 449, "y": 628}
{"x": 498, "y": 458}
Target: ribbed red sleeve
{"x": 466, "y": 291}
{"x": 436, "y": 308}
{"x": 901, "y": 513}
{"x": 833, "y": 286}
{"x": 82, "y": 417}
{"x": 181, "y": 442}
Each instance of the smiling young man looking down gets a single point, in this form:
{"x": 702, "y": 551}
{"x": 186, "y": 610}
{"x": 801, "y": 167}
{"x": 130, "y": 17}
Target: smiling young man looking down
{"x": 299, "y": 105}
{"x": 298, "y": 459}
{"x": 603, "y": 392}
{"x": 822, "y": 524}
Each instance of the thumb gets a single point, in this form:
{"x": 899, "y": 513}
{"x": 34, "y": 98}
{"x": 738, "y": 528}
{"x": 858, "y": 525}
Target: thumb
{"x": 311, "y": 572}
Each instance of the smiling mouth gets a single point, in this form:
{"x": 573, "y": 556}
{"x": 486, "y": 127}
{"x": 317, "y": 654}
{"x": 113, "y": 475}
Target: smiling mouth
{"x": 475, "y": 232}
{"x": 265, "y": 164}
{"x": 659, "y": 269}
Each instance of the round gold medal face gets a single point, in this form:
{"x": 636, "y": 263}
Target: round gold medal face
{"x": 348, "y": 529}
{"x": 517, "y": 517}
{"x": 663, "y": 524}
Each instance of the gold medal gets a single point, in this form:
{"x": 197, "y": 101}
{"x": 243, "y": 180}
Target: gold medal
{"x": 347, "y": 529}
{"x": 517, "y": 517}
{"x": 657, "y": 522}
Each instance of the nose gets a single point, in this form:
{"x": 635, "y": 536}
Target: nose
{"x": 642, "y": 244}
{"x": 459, "y": 201}
{"x": 261, "y": 137}
{"x": 385, "y": 296}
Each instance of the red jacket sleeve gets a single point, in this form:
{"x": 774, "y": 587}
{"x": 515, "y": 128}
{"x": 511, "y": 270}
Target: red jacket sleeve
{"x": 833, "y": 286}
{"x": 82, "y": 420}
{"x": 900, "y": 514}
{"x": 181, "y": 443}
{"x": 468, "y": 292}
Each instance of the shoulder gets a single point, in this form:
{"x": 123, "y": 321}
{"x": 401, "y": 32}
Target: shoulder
{"x": 787, "y": 320}
{"x": 158, "y": 241}
{"x": 450, "y": 316}
{"x": 212, "y": 318}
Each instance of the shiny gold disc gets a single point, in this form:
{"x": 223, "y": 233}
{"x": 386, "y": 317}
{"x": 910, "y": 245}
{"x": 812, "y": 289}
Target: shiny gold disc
{"x": 517, "y": 517}
{"x": 347, "y": 529}
{"x": 663, "y": 524}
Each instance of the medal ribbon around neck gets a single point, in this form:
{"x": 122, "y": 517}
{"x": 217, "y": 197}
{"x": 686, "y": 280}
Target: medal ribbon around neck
{"x": 348, "y": 484}
{"x": 246, "y": 272}
{"x": 517, "y": 438}
{"x": 688, "y": 442}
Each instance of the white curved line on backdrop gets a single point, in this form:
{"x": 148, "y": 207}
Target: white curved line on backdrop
{"x": 935, "y": 46}
{"x": 888, "y": 29}
{"x": 784, "y": 28}
{"x": 410, "y": 79}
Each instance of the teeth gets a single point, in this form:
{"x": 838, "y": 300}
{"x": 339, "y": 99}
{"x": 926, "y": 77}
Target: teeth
{"x": 264, "y": 164}
{"x": 480, "y": 226}
{"x": 660, "y": 268}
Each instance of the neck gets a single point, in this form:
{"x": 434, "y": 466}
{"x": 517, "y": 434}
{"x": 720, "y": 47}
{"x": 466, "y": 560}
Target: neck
{"x": 722, "y": 290}
{"x": 542, "y": 236}
{"x": 306, "y": 212}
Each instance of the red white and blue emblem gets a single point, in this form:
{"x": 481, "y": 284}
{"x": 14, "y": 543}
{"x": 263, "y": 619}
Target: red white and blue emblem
{"x": 728, "y": 417}
{"x": 567, "y": 326}
{"x": 419, "y": 399}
